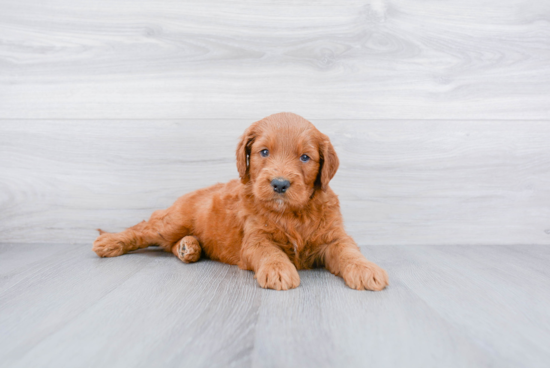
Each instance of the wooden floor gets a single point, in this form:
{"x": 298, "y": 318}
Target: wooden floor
{"x": 447, "y": 306}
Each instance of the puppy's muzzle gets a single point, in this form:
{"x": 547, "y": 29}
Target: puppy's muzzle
{"x": 280, "y": 185}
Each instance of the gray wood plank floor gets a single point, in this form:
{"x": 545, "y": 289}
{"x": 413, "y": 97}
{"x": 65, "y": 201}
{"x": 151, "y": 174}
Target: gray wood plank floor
{"x": 447, "y": 306}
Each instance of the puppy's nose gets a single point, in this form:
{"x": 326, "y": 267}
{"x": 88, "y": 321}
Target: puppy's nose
{"x": 280, "y": 185}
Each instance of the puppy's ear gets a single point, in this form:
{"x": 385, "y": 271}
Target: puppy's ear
{"x": 328, "y": 164}
{"x": 243, "y": 153}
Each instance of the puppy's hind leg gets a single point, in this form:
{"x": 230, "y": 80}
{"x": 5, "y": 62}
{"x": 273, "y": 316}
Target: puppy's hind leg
{"x": 164, "y": 228}
{"x": 187, "y": 249}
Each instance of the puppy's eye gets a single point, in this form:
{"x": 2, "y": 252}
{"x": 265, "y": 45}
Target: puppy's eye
{"x": 304, "y": 158}
{"x": 264, "y": 153}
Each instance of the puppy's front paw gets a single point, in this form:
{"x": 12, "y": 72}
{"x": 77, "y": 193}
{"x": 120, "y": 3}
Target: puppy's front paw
{"x": 189, "y": 249}
{"x": 278, "y": 276}
{"x": 108, "y": 245}
{"x": 365, "y": 275}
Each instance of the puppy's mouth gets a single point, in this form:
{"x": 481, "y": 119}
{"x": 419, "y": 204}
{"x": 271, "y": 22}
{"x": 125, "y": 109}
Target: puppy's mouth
{"x": 278, "y": 203}
{"x": 279, "y": 198}
{"x": 278, "y": 193}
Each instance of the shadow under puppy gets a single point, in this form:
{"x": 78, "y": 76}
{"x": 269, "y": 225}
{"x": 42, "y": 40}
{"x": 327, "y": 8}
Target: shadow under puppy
{"x": 281, "y": 216}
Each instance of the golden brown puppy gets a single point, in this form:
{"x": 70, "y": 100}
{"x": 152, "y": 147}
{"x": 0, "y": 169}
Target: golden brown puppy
{"x": 281, "y": 216}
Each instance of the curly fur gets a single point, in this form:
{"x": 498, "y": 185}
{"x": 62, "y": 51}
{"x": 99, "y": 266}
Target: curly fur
{"x": 246, "y": 223}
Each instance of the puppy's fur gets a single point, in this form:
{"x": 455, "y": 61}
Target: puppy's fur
{"x": 248, "y": 223}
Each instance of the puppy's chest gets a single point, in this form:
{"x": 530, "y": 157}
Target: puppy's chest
{"x": 296, "y": 243}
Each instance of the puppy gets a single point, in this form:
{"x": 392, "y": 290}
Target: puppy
{"x": 280, "y": 217}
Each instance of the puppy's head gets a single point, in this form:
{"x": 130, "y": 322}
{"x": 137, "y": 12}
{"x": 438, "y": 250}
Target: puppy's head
{"x": 284, "y": 159}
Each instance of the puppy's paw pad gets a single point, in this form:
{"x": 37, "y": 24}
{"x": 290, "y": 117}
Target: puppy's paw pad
{"x": 189, "y": 249}
{"x": 367, "y": 275}
{"x": 108, "y": 245}
{"x": 278, "y": 276}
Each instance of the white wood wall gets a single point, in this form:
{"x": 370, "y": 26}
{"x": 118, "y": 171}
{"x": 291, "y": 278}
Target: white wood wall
{"x": 439, "y": 110}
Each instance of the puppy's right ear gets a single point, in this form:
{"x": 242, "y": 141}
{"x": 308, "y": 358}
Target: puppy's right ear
{"x": 243, "y": 153}
{"x": 329, "y": 163}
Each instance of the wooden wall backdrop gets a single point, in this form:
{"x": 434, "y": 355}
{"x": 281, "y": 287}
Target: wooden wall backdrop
{"x": 440, "y": 111}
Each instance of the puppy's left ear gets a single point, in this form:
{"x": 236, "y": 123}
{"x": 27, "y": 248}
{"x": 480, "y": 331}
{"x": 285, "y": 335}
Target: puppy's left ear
{"x": 328, "y": 163}
{"x": 243, "y": 153}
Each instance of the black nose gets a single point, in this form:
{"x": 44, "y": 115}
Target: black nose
{"x": 280, "y": 185}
